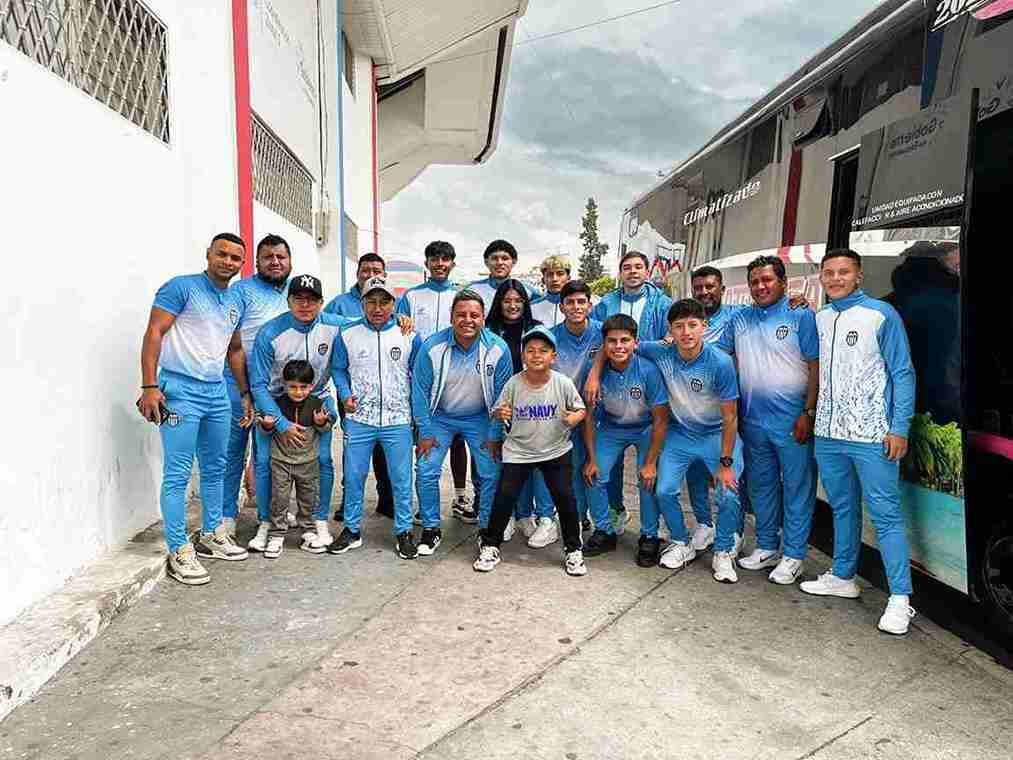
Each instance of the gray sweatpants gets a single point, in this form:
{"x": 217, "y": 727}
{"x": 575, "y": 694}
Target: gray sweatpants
{"x": 306, "y": 478}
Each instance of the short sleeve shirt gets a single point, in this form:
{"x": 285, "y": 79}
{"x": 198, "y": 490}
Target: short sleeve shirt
{"x": 462, "y": 393}
{"x": 628, "y": 398}
{"x": 536, "y": 432}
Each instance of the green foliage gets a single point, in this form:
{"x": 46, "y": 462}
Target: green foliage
{"x": 936, "y": 456}
{"x": 603, "y": 285}
{"x": 590, "y": 261}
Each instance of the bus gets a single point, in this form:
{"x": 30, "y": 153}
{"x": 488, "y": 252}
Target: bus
{"x": 895, "y": 141}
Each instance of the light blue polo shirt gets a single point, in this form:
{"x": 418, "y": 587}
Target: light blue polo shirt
{"x": 462, "y": 393}
{"x": 628, "y": 398}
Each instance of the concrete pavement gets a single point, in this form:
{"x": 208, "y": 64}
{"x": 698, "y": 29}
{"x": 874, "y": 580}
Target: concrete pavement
{"x": 366, "y": 655}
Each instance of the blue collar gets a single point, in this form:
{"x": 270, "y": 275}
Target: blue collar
{"x": 434, "y": 285}
{"x": 843, "y": 304}
{"x": 552, "y": 297}
{"x": 587, "y": 329}
{"x": 392, "y": 322}
{"x": 641, "y": 293}
{"x": 454, "y": 345}
{"x": 303, "y": 327}
{"x": 266, "y": 284}
{"x": 775, "y": 308}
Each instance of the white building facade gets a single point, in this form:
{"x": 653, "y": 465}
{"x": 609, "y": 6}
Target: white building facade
{"x": 130, "y": 133}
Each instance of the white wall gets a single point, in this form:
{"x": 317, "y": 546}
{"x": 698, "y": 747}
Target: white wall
{"x": 97, "y": 214}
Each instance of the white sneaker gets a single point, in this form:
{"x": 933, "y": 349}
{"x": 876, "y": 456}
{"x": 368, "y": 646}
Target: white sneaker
{"x": 897, "y": 615}
{"x": 787, "y": 571}
{"x": 316, "y": 541}
{"x": 230, "y": 526}
{"x": 275, "y": 544}
{"x": 487, "y": 560}
{"x": 829, "y": 584}
{"x": 723, "y": 565}
{"x": 760, "y": 559}
{"x": 703, "y": 537}
{"x": 259, "y": 542}
{"x": 218, "y": 545}
{"x": 677, "y": 555}
{"x": 546, "y": 533}
{"x": 182, "y": 565}
{"x": 620, "y": 520}
{"x": 528, "y": 526}
{"x": 508, "y": 531}
{"x": 573, "y": 563}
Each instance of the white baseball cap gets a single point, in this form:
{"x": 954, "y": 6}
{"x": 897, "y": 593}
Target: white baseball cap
{"x": 378, "y": 283}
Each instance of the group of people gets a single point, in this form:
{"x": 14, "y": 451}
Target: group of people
{"x": 546, "y": 393}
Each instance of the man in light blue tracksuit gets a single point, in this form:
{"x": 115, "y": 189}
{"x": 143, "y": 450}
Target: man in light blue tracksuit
{"x": 578, "y": 340}
{"x": 632, "y": 410}
{"x": 304, "y": 333}
{"x": 866, "y": 402}
{"x": 190, "y": 334}
{"x": 648, "y": 305}
{"x": 548, "y": 309}
{"x": 500, "y": 257}
{"x": 777, "y": 351}
{"x": 372, "y": 371}
{"x": 458, "y": 374}
{"x": 702, "y": 396}
{"x": 263, "y": 297}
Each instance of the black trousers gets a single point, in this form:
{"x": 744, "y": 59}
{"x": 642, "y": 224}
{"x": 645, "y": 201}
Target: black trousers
{"x": 458, "y": 445}
{"x": 558, "y": 476}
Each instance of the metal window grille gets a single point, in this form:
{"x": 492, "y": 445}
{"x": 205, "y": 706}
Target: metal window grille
{"x": 114, "y": 50}
{"x": 280, "y": 181}
{"x": 349, "y": 68}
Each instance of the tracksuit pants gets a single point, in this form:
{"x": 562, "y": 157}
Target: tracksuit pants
{"x": 782, "y": 486}
{"x": 610, "y": 443}
{"x": 559, "y": 480}
{"x": 679, "y": 453}
{"x": 384, "y": 493}
{"x": 397, "y": 444}
{"x": 698, "y": 484}
{"x": 235, "y": 460}
{"x": 474, "y": 429}
{"x": 262, "y": 470}
{"x": 198, "y": 425}
{"x": 850, "y": 471}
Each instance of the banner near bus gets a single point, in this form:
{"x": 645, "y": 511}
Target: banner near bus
{"x": 913, "y": 167}
{"x": 917, "y": 271}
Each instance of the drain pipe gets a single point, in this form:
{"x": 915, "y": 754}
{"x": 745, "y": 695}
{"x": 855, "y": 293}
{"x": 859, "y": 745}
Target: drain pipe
{"x": 341, "y": 147}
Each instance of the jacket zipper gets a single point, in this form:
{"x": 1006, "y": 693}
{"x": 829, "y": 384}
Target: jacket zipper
{"x": 833, "y": 346}
{"x": 379, "y": 372}
{"x": 439, "y": 295}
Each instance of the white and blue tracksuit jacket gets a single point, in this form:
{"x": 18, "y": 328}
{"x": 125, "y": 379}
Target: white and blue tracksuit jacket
{"x": 867, "y": 381}
{"x": 374, "y": 365}
{"x": 261, "y": 302}
{"x": 281, "y": 340}
{"x": 648, "y": 307}
{"x": 348, "y": 305}
{"x": 487, "y": 289}
{"x": 432, "y": 369}
{"x": 547, "y": 310}
{"x": 428, "y": 305}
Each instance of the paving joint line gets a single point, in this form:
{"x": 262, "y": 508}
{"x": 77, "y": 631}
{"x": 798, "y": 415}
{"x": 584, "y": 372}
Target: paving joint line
{"x": 833, "y": 739}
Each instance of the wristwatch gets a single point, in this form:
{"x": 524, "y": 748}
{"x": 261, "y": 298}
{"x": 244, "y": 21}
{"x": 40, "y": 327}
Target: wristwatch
{"x": 727, "y": 461}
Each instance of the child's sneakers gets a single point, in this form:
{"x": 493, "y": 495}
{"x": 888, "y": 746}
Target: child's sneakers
{"x": 488, "y": 558}
{"x": 218, "y": 545}
{"x": 317, "y": 540}
{"x": 274, "y": 547}
{"x": 259, "y": 542}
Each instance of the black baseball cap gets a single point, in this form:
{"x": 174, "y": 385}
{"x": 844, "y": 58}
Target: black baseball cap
{"x": 306, "y": 283}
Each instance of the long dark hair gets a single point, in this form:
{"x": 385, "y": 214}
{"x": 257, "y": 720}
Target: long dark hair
{"x": 494, "y": 318}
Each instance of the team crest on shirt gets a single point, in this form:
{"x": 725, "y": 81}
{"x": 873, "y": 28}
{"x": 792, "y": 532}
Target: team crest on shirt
{"x": 322, "y": 349}
{"x": 172, "y": 419}
{"x": 233, "y": 315}
{"x": 489, "y": 369}
{"x": 852, "y": 338}
{"x": 782, "y": 332}
{"x": 395, "y": 353}
{"x": 636, "y": 393}
{"x": 696, "y": 384}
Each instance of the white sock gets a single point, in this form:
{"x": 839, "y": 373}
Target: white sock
{"x": 901, "y": 597}
{"x": 460, "y": 493}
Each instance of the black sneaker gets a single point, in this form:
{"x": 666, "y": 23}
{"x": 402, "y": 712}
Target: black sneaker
{"x": 465, "y": 512}
{"x": 347, "y": 540}
{"x": 648, "y": 551}
{"x": 599, "y": 543}
{"x": 406, "y": 548}
{"x": 431, "y": 538}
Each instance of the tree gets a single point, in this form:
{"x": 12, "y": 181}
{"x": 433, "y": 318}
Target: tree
{"x": 590, "y": 261}
{"x": 603, "y": 285}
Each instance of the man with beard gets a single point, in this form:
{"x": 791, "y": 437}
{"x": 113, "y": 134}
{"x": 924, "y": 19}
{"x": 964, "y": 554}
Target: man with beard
{"x": 263, "y": 298}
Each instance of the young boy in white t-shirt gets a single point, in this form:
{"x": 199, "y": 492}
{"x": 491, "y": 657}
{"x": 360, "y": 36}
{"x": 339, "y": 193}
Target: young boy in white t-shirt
{"x": 539, "y": 408}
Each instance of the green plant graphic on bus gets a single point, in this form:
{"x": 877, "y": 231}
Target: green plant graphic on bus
{"x": 936, "y": 457}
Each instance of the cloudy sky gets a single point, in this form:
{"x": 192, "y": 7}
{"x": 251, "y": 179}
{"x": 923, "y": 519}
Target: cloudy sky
{"x": 601, "y": 111}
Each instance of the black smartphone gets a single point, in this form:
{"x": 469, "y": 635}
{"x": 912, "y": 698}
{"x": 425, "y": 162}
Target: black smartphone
{"x": 163, "y": 411}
